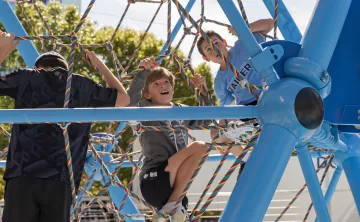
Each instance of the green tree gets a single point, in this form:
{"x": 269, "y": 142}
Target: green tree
{"x": 62, "y": 20}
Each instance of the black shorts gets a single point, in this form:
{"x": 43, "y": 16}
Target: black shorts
{"x": 31, "y": 199}
{"x": 155, "y": 186}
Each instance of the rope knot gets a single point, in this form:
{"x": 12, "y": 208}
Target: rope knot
{"x": 109, "y": 46}
{"x": 64, "y": 125}
{"x": 187, "y": 62}
{"x": 187, "y": 30}
{"x": 203, "y": 19}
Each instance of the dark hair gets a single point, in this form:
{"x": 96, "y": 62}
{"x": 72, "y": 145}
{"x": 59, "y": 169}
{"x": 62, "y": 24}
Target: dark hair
{"x": 52, "y": 62}
{"x": 156, "y": 74}
{"x": 209, "y": 33}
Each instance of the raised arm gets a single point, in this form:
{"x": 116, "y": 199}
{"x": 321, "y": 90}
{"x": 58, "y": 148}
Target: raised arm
{"x": 138, "y": 82}
{"x": 263, "y": 26}
{"x": 7, "y": 44}
{"x": 122, "y": 98}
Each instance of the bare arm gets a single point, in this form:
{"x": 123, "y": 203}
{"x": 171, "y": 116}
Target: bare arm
{"x": 263, "y": 25}
{"x": 122, "y": 98}
{"x": 7, "y": 44}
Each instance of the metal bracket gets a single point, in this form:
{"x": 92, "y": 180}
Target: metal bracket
{"x": 267, "y": 58}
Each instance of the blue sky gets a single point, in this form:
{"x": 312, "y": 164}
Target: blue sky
{"x": 108, "y": 12}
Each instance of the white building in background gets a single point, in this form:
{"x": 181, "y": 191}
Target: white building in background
{"x": 77, "y": 3}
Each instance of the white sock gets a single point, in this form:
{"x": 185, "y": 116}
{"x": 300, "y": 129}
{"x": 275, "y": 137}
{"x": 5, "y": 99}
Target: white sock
{"x": 168, "y": 207}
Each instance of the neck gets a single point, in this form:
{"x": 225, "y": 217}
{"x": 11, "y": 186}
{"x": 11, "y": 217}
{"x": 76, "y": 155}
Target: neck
{"x": 223, "y": 65}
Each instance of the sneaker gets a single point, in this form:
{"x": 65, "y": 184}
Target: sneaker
{"x": 181, "y": 215}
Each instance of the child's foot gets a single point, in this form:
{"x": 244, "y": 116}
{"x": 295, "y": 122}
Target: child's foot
{"x": 181, "y": 215}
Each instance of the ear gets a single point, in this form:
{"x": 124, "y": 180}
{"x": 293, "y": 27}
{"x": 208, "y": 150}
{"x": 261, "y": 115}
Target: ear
{"x": 35, "y": 68}
{"x": 147, "y": 95}
{"x": 206, "y": 58}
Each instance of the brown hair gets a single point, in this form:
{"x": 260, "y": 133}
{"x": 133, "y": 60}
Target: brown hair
{"x": 156, "y": 74}
{"x": 201, "y": 40}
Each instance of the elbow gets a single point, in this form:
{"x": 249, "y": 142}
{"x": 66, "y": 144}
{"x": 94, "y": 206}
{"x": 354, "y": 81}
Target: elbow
{"x": 122, "y": 100}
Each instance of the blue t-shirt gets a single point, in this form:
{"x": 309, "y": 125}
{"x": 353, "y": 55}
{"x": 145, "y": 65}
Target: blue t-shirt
{"x": 37, "y": 150}
{"x": 227, "y": 86}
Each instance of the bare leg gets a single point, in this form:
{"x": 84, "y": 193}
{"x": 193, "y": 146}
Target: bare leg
{"x": 182, "y": 165}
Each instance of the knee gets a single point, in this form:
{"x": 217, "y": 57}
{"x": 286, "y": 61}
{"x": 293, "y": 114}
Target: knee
{"x": 198, "y": 147}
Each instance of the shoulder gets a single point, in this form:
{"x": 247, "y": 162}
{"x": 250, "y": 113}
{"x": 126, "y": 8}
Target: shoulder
{"x": 83, "y": 79}
{"x": 23, "y": 72}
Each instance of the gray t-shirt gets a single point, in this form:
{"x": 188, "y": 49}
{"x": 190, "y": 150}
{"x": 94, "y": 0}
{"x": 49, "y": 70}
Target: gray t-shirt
{"x": 159, "y": 146}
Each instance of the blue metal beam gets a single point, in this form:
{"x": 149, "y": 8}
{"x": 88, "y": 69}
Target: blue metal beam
{"x": 258, "y": 182}
{"x": 126, "y": 114}
{"x": 286, "y": 23}
{"x": 332, "y": 186}
{"x": 322, "y": 34}
{"x": 312, "y": 182}
{"x": 13, "y": 25}
{"x": 211, "y": 158}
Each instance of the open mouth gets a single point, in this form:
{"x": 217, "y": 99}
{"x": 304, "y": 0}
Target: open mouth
{"x": 164, "y": 92}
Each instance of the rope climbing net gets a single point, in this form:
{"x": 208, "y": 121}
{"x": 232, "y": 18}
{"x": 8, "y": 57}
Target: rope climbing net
{"x": 111, "y": 161}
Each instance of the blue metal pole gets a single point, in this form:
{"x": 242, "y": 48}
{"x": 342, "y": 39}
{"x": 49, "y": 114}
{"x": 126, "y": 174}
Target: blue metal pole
{"x": 126, "y": 114}
{"x": 333, "y": 183}
{"x": 286, "y": 23}
{"x": 177, "y": 27}
{"x": 351, "y": 164}
{"x": 332, "y": 186}
{"x": 246, "y": 37}
{"x": 121, "y": 126}
{"x": 313, "y": 184}
{"x": 12, "y": 24}
{"x": 352, "y": 168}
{"x": 322, "y": 34}
{"x": 258, "y": 182}
{"x": 211, "y": 158}
{"x": 116, "y": 193}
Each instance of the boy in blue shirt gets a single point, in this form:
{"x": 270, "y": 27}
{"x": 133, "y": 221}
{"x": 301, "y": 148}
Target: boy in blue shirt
{"x": 226, "y": 84}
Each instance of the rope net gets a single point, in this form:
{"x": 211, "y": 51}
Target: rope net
{"x": 98, "y": 146}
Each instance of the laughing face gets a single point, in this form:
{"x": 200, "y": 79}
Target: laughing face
{"x": 160, "y": 92}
